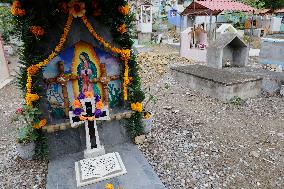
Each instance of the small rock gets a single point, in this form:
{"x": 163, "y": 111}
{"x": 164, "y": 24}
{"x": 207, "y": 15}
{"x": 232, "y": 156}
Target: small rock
{"x": 139, "y": 140}
{"x": 254, "y": 154}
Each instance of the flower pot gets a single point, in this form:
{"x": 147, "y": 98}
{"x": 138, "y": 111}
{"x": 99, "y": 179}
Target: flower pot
{"x": 147, "y": 122}
{"x": 26, "y": 151}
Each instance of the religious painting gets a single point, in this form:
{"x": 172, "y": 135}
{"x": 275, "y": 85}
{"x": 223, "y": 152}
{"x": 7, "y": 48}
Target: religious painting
{"x": 82, "y": 68}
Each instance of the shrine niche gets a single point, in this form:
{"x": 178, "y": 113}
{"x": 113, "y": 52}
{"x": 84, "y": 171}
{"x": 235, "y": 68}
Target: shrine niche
{"x": 82, "y": 68}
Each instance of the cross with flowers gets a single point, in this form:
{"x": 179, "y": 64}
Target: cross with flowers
{"x": 87, "y": 109}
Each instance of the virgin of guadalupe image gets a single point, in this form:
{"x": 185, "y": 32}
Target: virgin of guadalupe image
{"x": 86, "y": 71}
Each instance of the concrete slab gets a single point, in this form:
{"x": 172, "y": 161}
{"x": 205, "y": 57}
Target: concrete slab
{"x": 140, "y": 175}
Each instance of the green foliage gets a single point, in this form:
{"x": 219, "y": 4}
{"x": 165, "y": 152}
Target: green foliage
{"x": 134, "y": 125}
{"x": 272, "y": 4}
{"x": 27, "y": 134}
{"x": 7, "y": 23}
{"x": 41, "y": 150}
{"x": 237, "y": 101}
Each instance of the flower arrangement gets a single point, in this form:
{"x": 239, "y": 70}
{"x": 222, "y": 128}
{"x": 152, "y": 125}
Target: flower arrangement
{"x": 28, "y": 115}
{"x": 78, "y": 110}
{"x": 17, "y": 10}
{"x": 76, "y": 8}
{"x": 122, "y": 28}
{"x": 124, "y": 10}
{"x": 38, "y": 31}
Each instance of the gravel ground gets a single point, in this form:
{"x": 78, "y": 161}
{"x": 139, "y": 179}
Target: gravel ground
{"x": 16, "y": 173}
{"x": 199, "y": 142}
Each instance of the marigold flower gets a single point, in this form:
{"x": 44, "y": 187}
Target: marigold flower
{"x": 109, "y": 186}
{"x": 38, "y": 31}
{"x": 122, "y": 28}
{"x": 99, "y": 105}
{"x": 137, "y": 107}
{"x": 124, "y": 10}
{"x": 41, "y": 124}
{"x": 76, "y": 104}
{"x": 89, "y": 94}
{"x": 77, "y": 9}
{"x": 33, "y": 69}
{"x": 21, "y": 12}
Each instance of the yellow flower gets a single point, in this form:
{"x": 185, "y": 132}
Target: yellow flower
{"x": 124, "y": 10}
{"x": 122, "y": 28}
{"x": 77, "y": 9}
{"x": 109, "y": 186}
{"x": 137, "y": 107}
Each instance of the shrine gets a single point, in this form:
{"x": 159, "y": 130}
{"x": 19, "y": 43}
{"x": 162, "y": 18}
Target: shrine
{"x": 79, "y": 69}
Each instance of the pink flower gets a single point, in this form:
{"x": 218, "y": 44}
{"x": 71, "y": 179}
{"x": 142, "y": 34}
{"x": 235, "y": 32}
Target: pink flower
{"x": 19, "y": 111}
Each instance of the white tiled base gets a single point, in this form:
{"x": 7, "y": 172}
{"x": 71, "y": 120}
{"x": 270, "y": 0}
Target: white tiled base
{"x": 95, "y": 152}
{"x": 93, "y": 170}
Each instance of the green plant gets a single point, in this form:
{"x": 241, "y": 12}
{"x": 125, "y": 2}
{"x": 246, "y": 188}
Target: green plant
{"x": 7, "y": 23}
{"x": 29, "y": 116}
{"x": 41, "y": 151}
{"x": 237, "y": 101}
{"x": 27, "y": 134}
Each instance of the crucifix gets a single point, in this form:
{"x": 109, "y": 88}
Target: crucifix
{"x": 88, "y": 116}
{"x": 62, "y": 79}
{"x": 104, "y": 80}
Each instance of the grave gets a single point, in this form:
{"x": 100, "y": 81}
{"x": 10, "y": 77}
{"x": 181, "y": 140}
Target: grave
{"x": 79, "y": 67}
{"x": 227, "y": 50}
{"x": 145, "y": 23}
{"x": 220, "y": 84}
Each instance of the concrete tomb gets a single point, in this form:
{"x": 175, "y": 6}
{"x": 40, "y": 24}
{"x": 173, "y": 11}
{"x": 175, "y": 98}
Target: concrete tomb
{"x": 227, "y": 50}
{"x": 220, "y": 84}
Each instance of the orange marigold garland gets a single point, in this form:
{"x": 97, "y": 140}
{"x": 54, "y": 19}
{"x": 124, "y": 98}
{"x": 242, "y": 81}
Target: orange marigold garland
{"x": 33, "y": 69}
{"x": 38, "y": 31}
